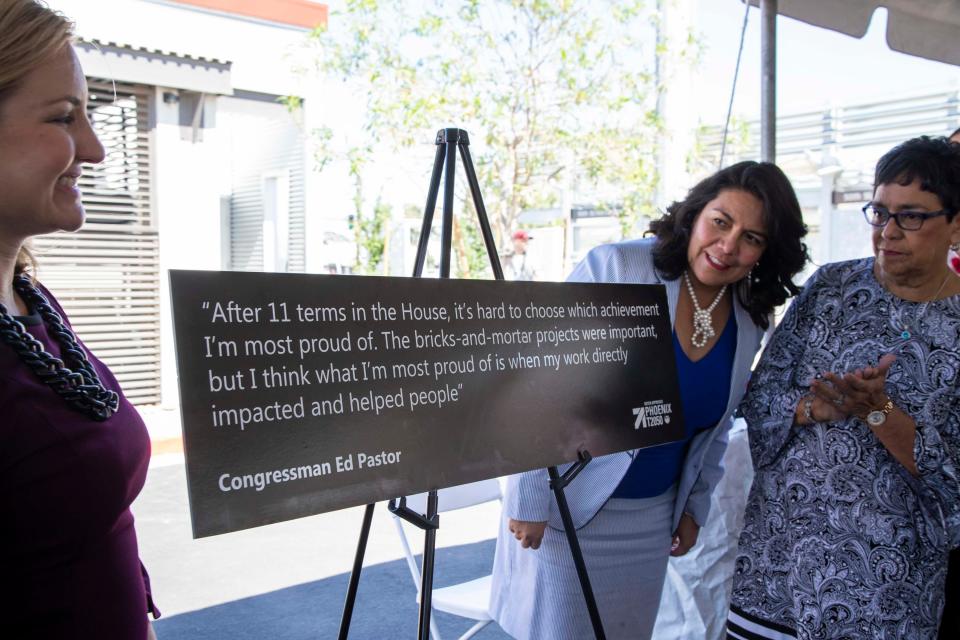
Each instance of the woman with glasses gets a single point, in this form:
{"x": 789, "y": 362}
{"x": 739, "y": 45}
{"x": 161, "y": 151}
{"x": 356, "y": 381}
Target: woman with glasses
{"x": 854, "y": 427}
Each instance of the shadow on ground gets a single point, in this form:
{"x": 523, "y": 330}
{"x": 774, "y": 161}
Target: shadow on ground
{"x": 385, "y": 608}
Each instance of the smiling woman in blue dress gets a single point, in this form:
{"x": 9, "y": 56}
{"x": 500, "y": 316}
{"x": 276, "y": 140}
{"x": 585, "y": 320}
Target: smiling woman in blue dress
{"x": 727, "y": 255}
{"x": 853, "y": 419}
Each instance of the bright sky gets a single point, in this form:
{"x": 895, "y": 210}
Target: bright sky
{"x": 816, "y": 67}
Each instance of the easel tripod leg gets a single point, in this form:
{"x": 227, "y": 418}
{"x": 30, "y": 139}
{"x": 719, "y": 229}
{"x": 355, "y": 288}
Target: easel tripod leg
{"x": 428, "y": 211}
{"x": 355, "y": 573}
{"x": 445, "y": 162}
{"x": 557, "y": 484}
{"x": 446, "y": 228}
{"x": 426, "y": 576}
{"x": 480, "y": 209}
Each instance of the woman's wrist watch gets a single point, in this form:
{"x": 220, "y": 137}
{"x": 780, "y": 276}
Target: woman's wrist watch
{"x": 877, "y": 417}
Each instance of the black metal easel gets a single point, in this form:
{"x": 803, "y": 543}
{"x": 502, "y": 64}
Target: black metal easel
{"x": 448, "y": 141}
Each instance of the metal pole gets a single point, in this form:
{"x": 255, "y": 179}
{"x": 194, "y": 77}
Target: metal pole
{"x": 592, "y": 610}
{"x": 768, "y": 80}
{"x": 429, "y": 554}
{"x": 478, "y": 205}
{"x": 449, "y": 175}
{"x": 355, "y": 574}
{"x": 428, "y": 210}
{"x": 733, "y": 89}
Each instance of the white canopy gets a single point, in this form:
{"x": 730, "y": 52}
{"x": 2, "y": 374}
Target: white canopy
{"x": 926, "y": 28}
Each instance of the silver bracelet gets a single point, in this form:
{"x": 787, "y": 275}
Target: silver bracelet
{"x": 808, "y": 409}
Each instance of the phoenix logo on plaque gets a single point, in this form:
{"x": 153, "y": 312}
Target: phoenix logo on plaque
{"x": 652, "y": 414}
{"x": 308, "y": 393}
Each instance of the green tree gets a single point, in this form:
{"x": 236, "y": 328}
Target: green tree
{"x": 368, "y": 226}
{"x": 371, "y": 238}
{"x": 557, "y": 94}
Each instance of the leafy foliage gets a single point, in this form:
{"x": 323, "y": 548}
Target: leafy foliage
{"x": 371, "y": 239}
{"x": 559, "y": 94}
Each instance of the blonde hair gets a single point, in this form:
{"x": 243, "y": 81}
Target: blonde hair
{"x": 30, "y": 32}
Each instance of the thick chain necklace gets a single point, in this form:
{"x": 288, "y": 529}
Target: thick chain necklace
{"x": 702, "y": 321}
{"x": 79, "y": 385}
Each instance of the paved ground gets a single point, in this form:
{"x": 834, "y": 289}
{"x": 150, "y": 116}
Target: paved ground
{"x": 289, "y": 580}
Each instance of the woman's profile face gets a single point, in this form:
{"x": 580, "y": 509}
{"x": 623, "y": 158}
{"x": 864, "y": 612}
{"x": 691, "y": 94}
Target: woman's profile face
{"x": 45, "y": 137}
{"x": 727, "y": 239}
{"x": 915, "y": 255}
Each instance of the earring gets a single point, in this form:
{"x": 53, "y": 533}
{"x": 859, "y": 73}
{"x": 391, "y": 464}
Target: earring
{"x": 746, "y": 285}
{"x": 953, "y": 258}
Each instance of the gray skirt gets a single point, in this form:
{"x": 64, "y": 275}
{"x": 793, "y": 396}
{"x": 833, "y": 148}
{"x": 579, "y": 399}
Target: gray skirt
{"x": 537, "y": 594}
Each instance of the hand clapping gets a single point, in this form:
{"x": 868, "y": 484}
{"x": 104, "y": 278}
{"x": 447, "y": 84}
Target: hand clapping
{"x": 857, "y": 393}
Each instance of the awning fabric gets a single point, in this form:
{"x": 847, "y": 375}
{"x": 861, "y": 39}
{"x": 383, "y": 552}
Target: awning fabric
{"x": 926, "y": 28}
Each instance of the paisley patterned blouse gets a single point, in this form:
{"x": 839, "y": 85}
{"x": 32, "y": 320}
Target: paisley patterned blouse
{"x": 839, "y": 540}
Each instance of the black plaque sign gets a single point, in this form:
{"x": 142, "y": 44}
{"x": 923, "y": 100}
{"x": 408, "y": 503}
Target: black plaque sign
{"x": 308, "y": 393}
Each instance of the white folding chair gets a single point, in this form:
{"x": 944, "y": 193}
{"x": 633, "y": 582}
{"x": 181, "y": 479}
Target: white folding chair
{"x": 467, "y": 599}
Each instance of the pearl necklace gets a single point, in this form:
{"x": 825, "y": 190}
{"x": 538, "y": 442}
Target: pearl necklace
{"x": 702, "y": 322}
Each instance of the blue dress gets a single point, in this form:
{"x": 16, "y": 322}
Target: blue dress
{"x": 656, "y": 469}
{"x": 625, "y": 542}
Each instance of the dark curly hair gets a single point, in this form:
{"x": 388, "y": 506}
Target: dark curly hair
{"x": 935, "y": 162}
{"x": 771, "y": 280}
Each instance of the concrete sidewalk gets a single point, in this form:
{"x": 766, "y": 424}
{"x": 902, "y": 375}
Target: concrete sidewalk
{"x": 165, "y": 432}
{"x": 288, "y": 580}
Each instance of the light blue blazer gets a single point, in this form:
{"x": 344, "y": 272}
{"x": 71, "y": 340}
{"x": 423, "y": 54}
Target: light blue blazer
{"x": 528, "y": 496}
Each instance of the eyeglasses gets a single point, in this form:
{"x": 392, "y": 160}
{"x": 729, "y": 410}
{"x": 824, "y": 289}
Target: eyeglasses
{"x": 878, "y": 216}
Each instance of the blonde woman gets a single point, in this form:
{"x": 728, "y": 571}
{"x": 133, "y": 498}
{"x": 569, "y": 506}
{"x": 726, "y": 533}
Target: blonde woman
{"x": 73, "y": 451}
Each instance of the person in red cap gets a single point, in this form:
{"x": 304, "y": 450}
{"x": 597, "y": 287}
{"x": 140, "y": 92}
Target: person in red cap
{"x": 515, "y": 266}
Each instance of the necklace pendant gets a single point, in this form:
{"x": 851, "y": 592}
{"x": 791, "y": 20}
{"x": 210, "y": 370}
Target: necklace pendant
{"x": 905, "y": 334}
{"x": 702, "y": 329}
{"x": 702, "y": 321}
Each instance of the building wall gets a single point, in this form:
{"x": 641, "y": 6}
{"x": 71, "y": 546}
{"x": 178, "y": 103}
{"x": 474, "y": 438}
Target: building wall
{"x": 194, "y": 168}
{"x": 266, "y": 143}
{"x": 262, "y": 53}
